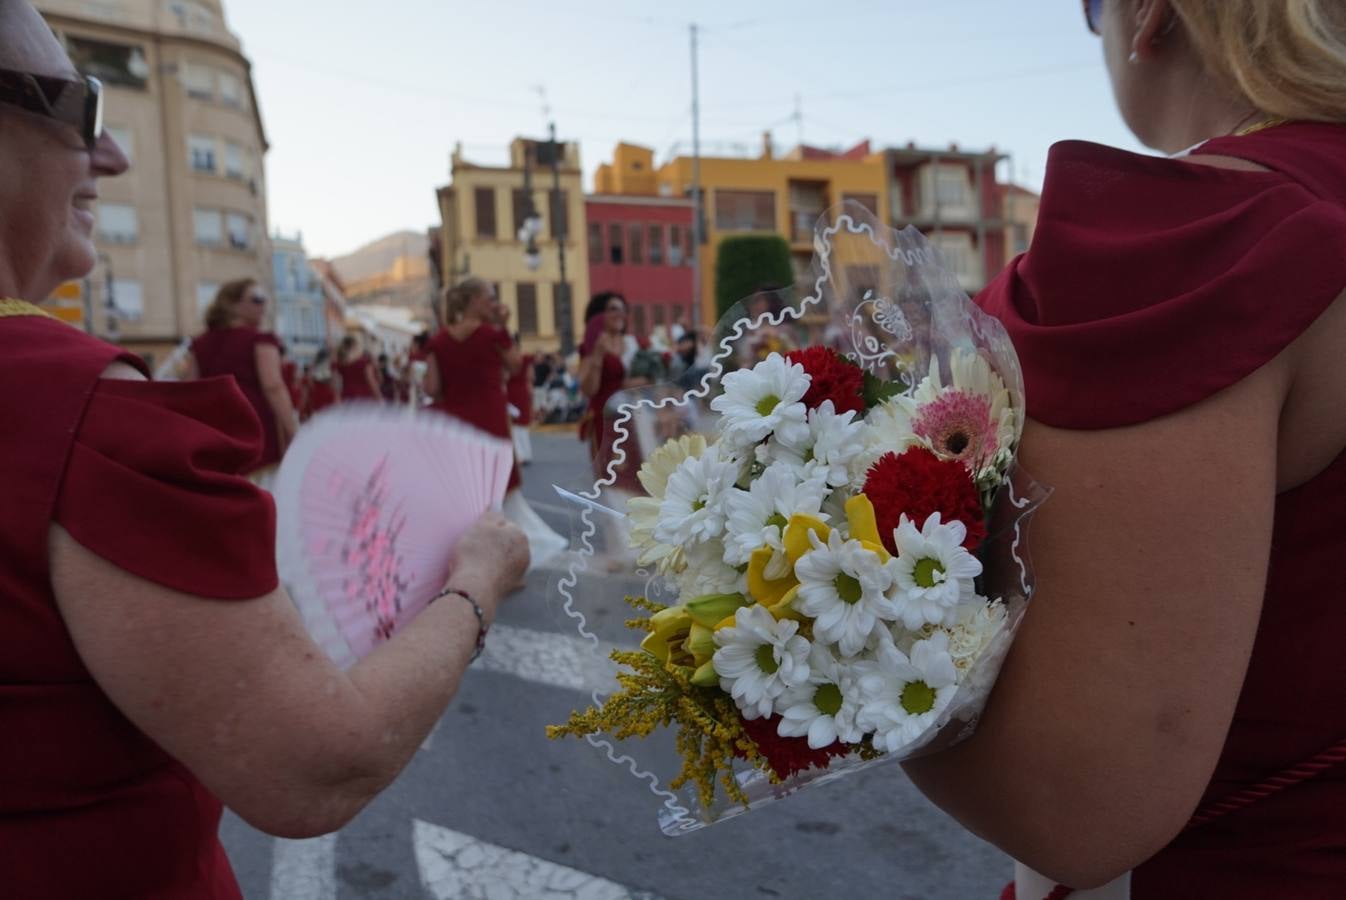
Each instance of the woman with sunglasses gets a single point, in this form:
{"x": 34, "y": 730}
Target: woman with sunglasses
{"x": 150, "y": 665}
{"x": 234, "y": 344}
{"x": 1171, "y": 722}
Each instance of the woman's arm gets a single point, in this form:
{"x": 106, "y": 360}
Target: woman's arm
{"x": 372, "y": 379}
{"x": 431, "y": 384}
{"x": 266, "y": 357}
{"x": 239, "y": 693}
{"x": 512, "y": 358}
{"x": 1151, "y": 558}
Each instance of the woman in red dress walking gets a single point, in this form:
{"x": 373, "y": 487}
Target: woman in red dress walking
{"x": 469, "y": 360}
{"x": 150, "y": 665}
{"x": 355, "y": 373}
{"x": 234, "y": 345}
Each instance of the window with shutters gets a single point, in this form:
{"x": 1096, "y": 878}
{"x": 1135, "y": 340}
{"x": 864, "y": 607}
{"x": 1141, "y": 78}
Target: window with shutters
{"x": 484, "y": 200}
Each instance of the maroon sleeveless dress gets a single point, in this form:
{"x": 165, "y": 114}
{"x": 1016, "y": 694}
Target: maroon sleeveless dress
{"x": 233, "y": 351}
{"x": 355, "y": 379}
{"x": 146, "y": 476}
{"x": 1151, "y": 285}
{"x": 472, "y": 381}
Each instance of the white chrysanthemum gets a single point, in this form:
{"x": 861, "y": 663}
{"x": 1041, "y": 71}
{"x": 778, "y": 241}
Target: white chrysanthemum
{"x": 907, "y": 695}
{"x": 836, "y": 443}
{"x": 707, "y": 573}
{"x": 763, "y": 400}
{"x": 888, "y": 429}
{"x": 643, "y": 512}
{"x": 975, "y": 626}
{"x": 759, "y": 658}
{"x": 843, "y": 587}
{"x": 693, "y": 507}
{"x": 757, "y": 517}
{"x": 827, "y": 707}
{"x": 932, "y": 573}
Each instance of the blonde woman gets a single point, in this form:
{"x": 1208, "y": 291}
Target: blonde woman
{"x": 235, "y": 344}
{"x": 1171, "y": 722}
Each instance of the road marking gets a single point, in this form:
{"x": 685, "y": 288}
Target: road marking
{"x": 304, "y": 870}
{"x": 544, "y": 657}
{"x": 457, "y": 866}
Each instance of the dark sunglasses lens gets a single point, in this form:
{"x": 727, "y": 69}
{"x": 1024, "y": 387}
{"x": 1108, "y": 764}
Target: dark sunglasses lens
{"x": 1093, "y": 14}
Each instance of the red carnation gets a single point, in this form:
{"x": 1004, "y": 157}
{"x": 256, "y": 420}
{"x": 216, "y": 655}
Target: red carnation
{"x": 919, "y": 483}
{"x": 832, "y": 378}
{"x": 788, "y": 755}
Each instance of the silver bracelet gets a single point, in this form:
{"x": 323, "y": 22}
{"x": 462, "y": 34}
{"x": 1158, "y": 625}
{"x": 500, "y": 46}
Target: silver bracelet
{"x": 482, "y": 627}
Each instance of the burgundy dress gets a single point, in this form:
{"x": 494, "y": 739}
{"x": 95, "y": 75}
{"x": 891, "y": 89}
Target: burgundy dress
{"x": 146, "y": 476}
{"x": 1151, "y": 285}
{"x": 233, "y": 351}
{"x": 355, "y": 379}
{"x": 472, "y": 381}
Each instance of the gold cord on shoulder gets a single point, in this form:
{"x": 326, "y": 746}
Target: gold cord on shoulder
{"x": 1261, "y": 126}
{"x": 10, "y": 307}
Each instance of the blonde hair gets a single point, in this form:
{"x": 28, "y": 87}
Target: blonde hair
{"x": 457, "y": 298}
{"x": 220, "y": 313}
{"x": 1287, "y": 57}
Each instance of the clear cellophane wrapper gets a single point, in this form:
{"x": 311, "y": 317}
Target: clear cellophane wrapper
{"x": 883, "y": 300}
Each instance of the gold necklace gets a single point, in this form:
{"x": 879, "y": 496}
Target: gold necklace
{"x": 10, "y": 307}
{"x": 1270, "y": 122}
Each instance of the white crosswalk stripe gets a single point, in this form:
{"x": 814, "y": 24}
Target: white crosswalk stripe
{"x": 457, "y": 866}
{"x": 306, "y": 869}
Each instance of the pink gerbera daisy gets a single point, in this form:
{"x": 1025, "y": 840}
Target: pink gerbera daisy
{"x": 958, "y": 426}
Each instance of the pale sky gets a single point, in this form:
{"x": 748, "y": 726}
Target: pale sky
{"x": 363, "y": 102}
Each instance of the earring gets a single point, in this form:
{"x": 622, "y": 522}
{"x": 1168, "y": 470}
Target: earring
{"x": 1134, "y": 58}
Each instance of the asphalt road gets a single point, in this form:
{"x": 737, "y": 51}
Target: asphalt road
{"x": 491, "y": 809}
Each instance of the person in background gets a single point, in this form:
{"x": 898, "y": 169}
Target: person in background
{"x": 520, "y": 395}
{"x": 318, "y": 391}
{"x": 234, "y": 344}
{"x": 387, "y": 380}
{"x": 602, "y": 374}
{"x": 468, "y": 363}
{"x": 356, "y": 376}
{"x": 151, "y": 665}
{"x": 289, "y": 373}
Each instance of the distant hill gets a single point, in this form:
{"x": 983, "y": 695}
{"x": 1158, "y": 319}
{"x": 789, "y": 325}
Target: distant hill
{"x": 378, "y": 257}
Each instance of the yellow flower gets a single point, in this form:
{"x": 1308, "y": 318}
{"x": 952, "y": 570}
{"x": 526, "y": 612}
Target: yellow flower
{"x": 679, "y": 641}
{"x": 778, "y": 594}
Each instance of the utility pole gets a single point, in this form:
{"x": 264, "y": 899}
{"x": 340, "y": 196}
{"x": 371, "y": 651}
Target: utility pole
{"x": 696, "y": 188}
{"x": 558, "y": 214}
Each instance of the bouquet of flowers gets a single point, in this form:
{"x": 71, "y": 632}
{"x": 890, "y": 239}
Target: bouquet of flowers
{"x": 824, "y": 561}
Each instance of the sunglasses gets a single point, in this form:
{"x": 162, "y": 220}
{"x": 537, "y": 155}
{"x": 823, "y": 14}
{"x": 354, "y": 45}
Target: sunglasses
{"x": 1093, "y": 14}
{"x": 259, "y": 299}
{"x": 75, "y": 102}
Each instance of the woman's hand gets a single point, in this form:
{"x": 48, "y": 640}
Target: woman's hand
{"x": 489, "y": 561}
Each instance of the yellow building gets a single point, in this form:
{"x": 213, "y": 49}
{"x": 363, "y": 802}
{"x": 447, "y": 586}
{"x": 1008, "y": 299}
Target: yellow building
{"x": 769, "y": 193}
{"x": 481, "y": 213}
{"x": 191, "y": 212}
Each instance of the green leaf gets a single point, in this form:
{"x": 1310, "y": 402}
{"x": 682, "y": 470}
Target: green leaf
{"x": 878, "y": 390}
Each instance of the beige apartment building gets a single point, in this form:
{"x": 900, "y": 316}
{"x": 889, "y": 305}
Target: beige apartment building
{"x": 191, "y": 213}
{"x": 481, "y": 213}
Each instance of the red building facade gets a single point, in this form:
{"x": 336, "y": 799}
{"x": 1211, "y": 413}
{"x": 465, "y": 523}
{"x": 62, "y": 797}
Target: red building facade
{"x": 640, "y": 247}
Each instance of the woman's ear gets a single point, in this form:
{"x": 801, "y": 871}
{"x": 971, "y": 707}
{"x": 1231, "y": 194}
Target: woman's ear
{"x": 1154, "y": 19}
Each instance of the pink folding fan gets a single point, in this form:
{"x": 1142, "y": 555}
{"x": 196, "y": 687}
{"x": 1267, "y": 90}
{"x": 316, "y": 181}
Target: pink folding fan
{"x": 369, "y": 504}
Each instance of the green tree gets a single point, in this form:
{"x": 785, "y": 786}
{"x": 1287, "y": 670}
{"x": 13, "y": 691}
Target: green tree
{"x": 748, "y": 262}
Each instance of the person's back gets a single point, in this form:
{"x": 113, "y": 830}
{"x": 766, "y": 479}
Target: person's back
{"x": 1170, "y": 723}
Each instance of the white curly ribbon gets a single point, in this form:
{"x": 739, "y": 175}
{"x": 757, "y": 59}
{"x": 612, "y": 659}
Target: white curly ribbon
{"x": 868, "y": 351}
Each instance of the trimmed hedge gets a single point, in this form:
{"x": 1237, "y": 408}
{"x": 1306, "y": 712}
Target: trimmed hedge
{"x": 745, "y": 263}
